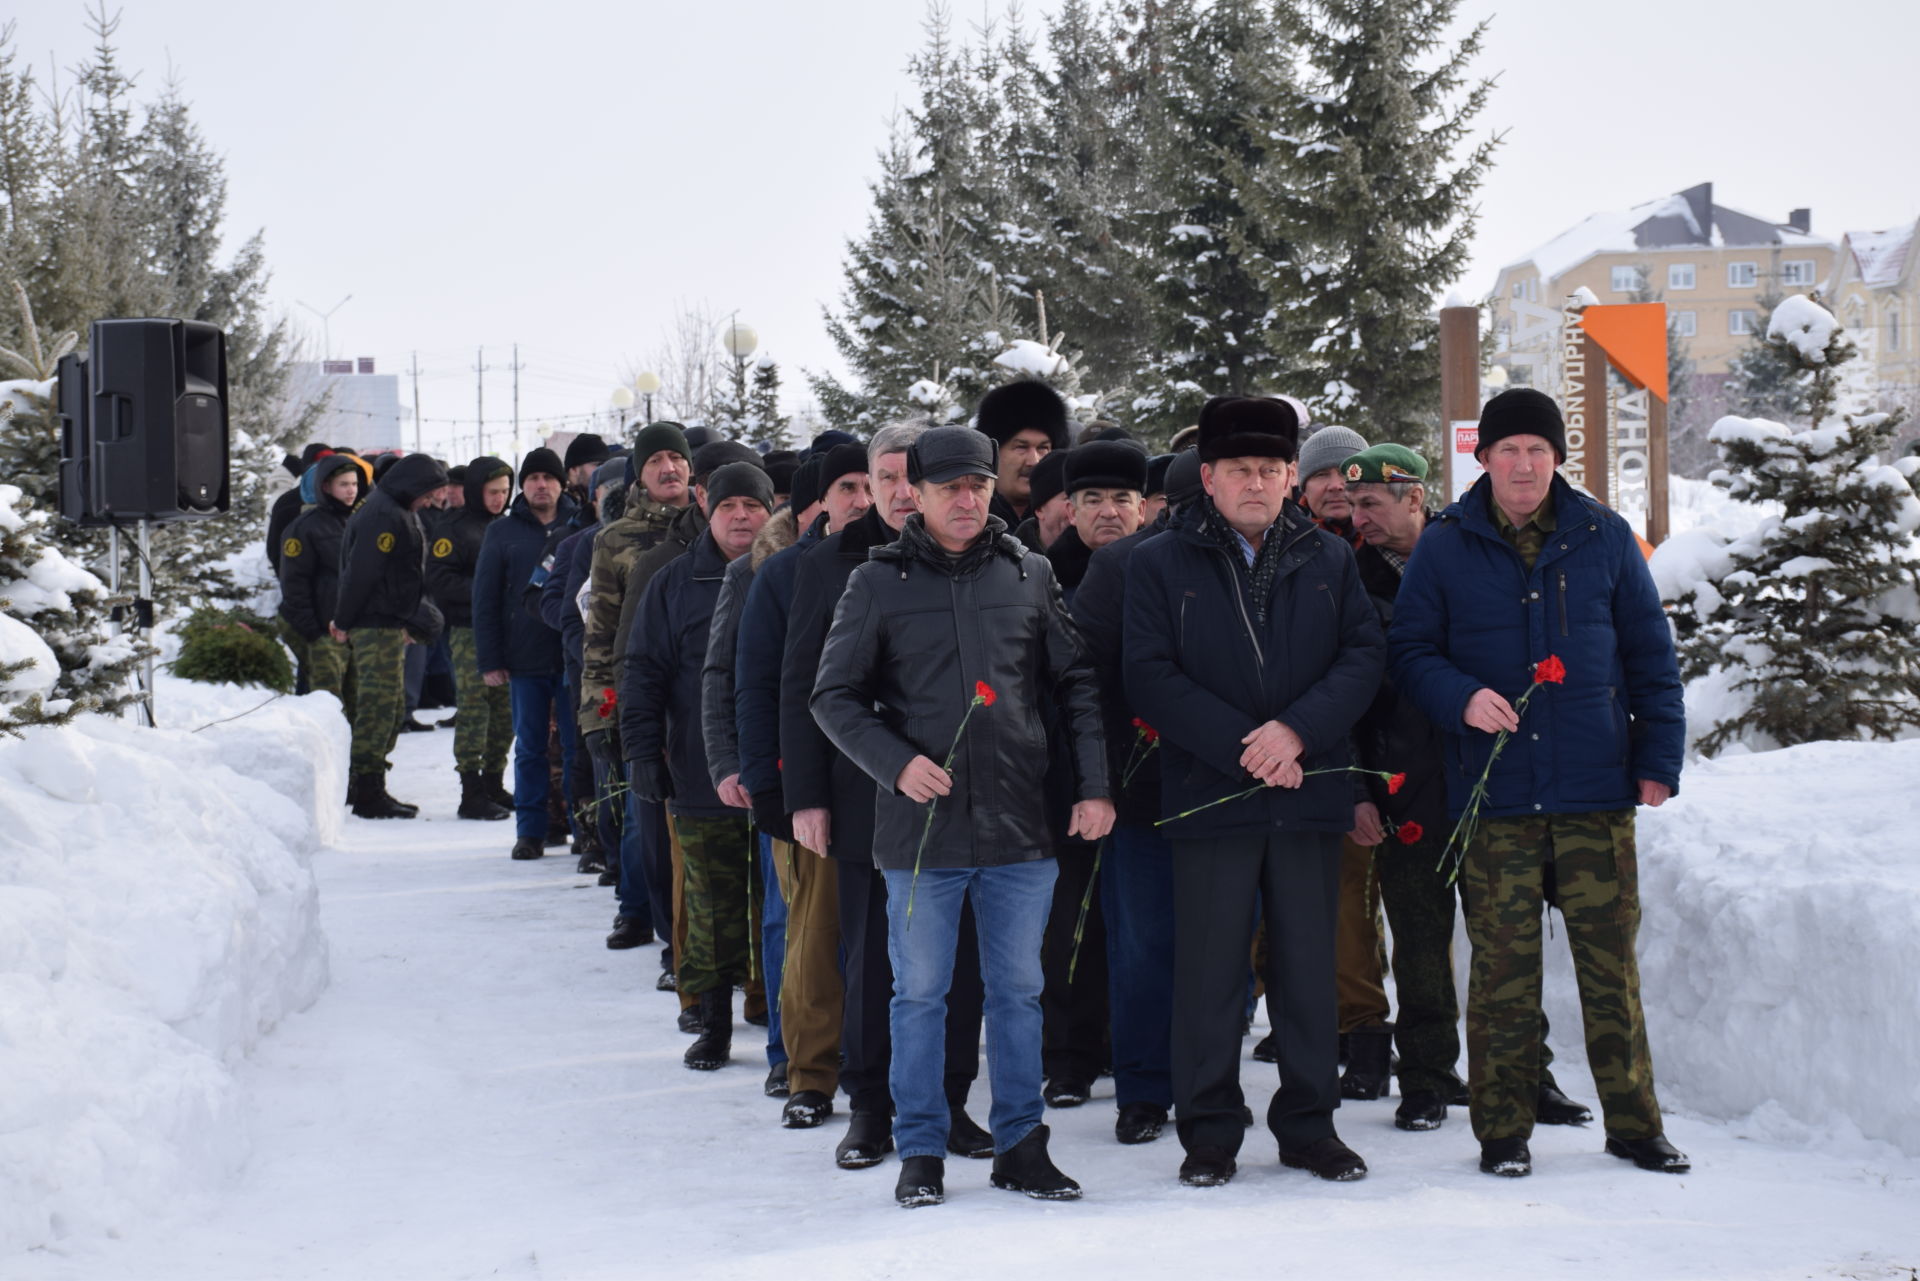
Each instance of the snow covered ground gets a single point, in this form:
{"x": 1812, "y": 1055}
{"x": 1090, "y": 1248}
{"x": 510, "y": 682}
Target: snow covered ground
{"x": 485, "y": 1091}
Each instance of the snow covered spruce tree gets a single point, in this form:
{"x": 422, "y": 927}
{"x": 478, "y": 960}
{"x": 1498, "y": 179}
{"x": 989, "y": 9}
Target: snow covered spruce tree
{"x": 1361, "y": 182}
{"x": 1763, "y": 380}
{"x": 1817, "y": 611}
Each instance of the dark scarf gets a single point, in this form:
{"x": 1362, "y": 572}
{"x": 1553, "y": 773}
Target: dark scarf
{"x": 917, "y": 544}
{"x": 1259, "y": 577}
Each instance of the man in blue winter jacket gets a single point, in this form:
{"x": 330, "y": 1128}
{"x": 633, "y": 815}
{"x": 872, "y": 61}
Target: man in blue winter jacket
{"x": 1251, "y": 647}
{"x": 1522, "y": 569}
{"x": 516, "y": 649}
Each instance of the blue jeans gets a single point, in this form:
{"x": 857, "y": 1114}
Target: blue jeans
{"x": 1136, "y": 891}
{"x": 1010, "y": 906}
{"x": 773, "y": 947}
{"x": 533, "y": 699}
{"x": 633, "y": 895}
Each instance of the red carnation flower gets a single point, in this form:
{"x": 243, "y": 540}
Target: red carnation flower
{"x": 1395, "y": 783}
{"x": 984, "y": 692}
{"x": 609, "y": 697}
{"x": 1551, "y": 671}
{"x": 1150, "y": 734}
{"x": 1139, "y": 724}
{"x": 779, "y": 763}
{"x": 1410, "y": 833}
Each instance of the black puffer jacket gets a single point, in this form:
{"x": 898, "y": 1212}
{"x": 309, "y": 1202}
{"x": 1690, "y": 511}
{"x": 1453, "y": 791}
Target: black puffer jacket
{"x": 914, "y": 635}
{"x": 455, "y": 548}
{"x": 813, "y": 773}
{"x": 383, "y": 554}
{"x": 661, "y": 733}
{"x": 310, "y": 555}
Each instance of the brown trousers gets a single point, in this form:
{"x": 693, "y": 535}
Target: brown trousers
{"x": 812, "y": 994}
{"x": 1359, "y": 957}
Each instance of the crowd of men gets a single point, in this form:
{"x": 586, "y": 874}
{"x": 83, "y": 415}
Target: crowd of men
{"x": 1011, "y": 728}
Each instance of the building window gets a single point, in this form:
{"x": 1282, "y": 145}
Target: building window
{"x": 1740, "y": 322}
{"x": 1625, "y": 280}
{"x": 1680, "y": 275}
{"x": 1742, "y": 275}
{"x": 1893, "y": 329}
{"x": 1519, "y": 289}
{"x": 1685, "y": 324}
{"x": 1798, "y": 271}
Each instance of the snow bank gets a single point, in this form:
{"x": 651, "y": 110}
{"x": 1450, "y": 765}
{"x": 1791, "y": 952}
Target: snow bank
{"x": 157, "y": 915}
{"x": 1780, "y": 895}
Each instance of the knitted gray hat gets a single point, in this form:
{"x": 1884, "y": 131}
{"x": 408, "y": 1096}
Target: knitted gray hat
{"x": 1329, "y": 447}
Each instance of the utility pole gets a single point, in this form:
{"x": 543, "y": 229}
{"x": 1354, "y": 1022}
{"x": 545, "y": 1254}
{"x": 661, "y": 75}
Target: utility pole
{"x": 516, "y": 367}
{"x": 416, "y": 402}
{"x": 480, "y": 400}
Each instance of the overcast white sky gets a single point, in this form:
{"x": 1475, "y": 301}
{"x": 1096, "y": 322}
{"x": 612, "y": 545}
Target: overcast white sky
{"x": 565, "y": 175}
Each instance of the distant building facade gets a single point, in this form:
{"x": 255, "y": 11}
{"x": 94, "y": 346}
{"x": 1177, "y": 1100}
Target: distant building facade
{"x": 362, "y": 407}
{"x": 1875, "y": 291}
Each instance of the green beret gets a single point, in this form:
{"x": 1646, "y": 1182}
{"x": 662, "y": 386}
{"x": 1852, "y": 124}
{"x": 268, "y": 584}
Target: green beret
{"x": 1384, "y": 463}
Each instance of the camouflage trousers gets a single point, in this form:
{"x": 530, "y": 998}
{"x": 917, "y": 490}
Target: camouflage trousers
{"x": 379, "y": 695}
{"x": 1591, "y": 859}
{"x": 483, "y": 714}
{"x": 722, "y": 867}
{"x": 330, "y": 668}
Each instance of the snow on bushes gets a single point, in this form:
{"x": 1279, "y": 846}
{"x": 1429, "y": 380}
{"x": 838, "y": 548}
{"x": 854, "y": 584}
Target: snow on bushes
{"x": 157, "y": 915}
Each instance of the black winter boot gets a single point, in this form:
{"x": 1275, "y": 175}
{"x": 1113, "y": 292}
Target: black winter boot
{"x": 1327, "y": 1158}
{"x": 1369, "y": 1062}
{"x": 868, "y": 1139}
{"x": 528, "y": 847}
{"x": 371, "y": 800}
{"x": 1507, "y": 1158}
{"x": 1140, "y": 1123}
{"x": 923, "y": 1181}
{"x": 1025, "y": 1167}
{"x": 964, "y": 1135}
{"x": 630, "y": 931}
{"x": 476, "y": 804}
{"x": 1654, "y": 1154}
{"x": 497, "y": 793}
{"x": 1420, "y": 1110}
{"x": 715, "y": 1046}
{"x": 1551, "y": 1107}
{"x": 806, "y": 1109}
{"x": 410, "y": 808}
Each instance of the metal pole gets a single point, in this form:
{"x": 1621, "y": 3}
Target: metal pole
{"x": 480, "y": 399}
{"x": 146, "y": 602}
{"x": 416, "y": 402}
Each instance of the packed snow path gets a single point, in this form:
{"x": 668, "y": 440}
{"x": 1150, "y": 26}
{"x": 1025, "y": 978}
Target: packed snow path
{"x": 486, "y": 1091}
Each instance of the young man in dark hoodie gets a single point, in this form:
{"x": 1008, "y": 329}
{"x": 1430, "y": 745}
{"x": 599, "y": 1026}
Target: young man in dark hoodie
{"x": 382, "y": 608}
{"x": 515, "y": 649}
{"x": 310, "y": 572}
{"x": 483, "y": 717}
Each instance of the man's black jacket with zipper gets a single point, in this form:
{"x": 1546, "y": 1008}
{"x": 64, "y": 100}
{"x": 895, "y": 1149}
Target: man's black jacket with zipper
{"x": 916, "y": 634}
{"x": 383, "y": 555}
{"x": 660, "y": 712}
{"x": 1205, "y": 668}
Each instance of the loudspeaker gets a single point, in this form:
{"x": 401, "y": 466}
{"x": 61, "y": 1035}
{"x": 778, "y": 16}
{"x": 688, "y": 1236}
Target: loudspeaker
{"x": 144, "y": 423}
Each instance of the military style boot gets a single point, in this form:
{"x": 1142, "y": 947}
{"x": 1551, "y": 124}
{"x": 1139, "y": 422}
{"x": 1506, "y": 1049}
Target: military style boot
{"x": 715, "y": 1047}
{"x": 370, "y": 799}
{"x": 476, "y": 804}
{"x": 1369, "y": 1062}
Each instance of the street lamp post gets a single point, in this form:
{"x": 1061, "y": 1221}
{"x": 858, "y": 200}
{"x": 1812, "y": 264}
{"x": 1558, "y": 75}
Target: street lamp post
{"x": 646, "y": 383}
{"x": 622, "y": 405}
{"x": 740, "y": 340}
{"x": 326, "y": 328}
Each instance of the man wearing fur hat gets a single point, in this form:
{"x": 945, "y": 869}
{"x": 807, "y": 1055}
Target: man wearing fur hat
{"x": 1521, "y": 570}
{"x": 1027, "y": 420}
{"x": 1251, "y": 647}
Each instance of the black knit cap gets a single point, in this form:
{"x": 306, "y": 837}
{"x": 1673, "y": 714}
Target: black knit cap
{"x": 586, "y": 448}
{"x": 1106, "y": 464}
{"x": 841, "y": 460}
{"x": 1183, "y": 478}
{"x": 1522, "y": 411}
{"x": 655, "y": 437}
{"x": 829, "y": 438}
{"x": 1248, "y": 427}
{"x": 1026, "y": 405}
{"x": 780, "y": 471}
{"x": 805, "y": 491}
{"x": 1048, "y": 479}
{"x": 698, "y": 436}
{"x": 739, "y": 480}
{"x": 712, "y": 456}
{"x": 542, "y": 461}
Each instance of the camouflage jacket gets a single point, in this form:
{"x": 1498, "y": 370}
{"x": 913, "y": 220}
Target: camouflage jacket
{"x": 616, "y": 548}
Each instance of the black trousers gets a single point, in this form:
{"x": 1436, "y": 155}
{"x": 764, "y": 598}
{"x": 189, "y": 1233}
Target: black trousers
{"x": 866, "y": 1037}
{"x": 1074, "y": 1028}
{"x": 1217, "y": 885}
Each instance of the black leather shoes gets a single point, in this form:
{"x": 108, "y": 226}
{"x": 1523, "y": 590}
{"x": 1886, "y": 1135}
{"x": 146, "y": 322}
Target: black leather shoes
{"x": 1554, "y": 1108}
{"x": 868, "y": 1139}
{"x": 1328, "y": 1159}
{"x": 805, "y": 1110}
{"x": 923, "y": 1181}
{"x": 1140, "y": 1123}
{"x": 1066, "y": 1092}
{"x": 776, "y": 1086}
{"x": 1207, "y": 1167}
{"x": 1507, "y": 1158}
{"x": 1026, "y": 1167}
{"x": 1654, "y": 1154}
{"x": 629, "y": 931}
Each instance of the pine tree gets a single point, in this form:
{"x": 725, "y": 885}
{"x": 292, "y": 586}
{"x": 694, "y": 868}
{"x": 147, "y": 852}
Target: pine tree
{"x": 766, "y": 424}
{"x": 1688, "y": 453}
{"x": 1817, "y": 611}
{"x": 1763, "y": 382}
{"x": 1360, "y": 180}
{"x": 1224, "y": 76}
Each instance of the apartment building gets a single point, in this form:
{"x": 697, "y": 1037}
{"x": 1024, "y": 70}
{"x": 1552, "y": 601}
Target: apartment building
{"x": 1710, "y": 264}
{"x": 1875, "y": 291}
